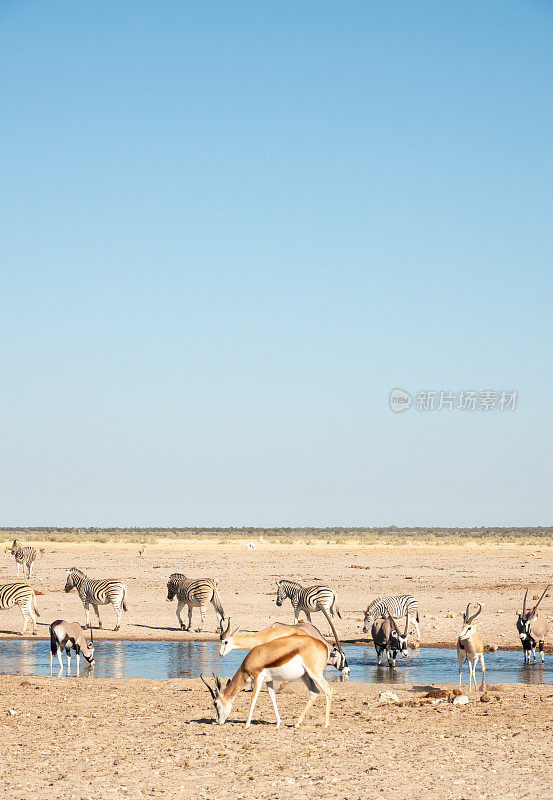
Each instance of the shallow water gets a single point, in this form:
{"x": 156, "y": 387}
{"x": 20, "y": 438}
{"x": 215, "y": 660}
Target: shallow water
{"x": 186, "y": 659}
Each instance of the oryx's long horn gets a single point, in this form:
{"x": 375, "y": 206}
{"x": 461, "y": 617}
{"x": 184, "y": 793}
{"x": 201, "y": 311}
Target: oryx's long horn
{"x": 333, "y": 629}
{"x": 91, "y": 636}
{"x": 524, "y": 603}
{"x": 211, "y": 691}
{"x": 392, "y": 620}
{"x": 539, "y": 601}
{"x": 475, "y": 615}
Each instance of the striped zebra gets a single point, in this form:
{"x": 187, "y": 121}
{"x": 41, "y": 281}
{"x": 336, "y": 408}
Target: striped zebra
{"x": 24, "y": 556}
{"x": 98, "y": 592}
{"x": 307, "y": 599}
{"x": 20, "y": 594}
{"x": 194, "y": 593}
{"x": 403, "y": 605}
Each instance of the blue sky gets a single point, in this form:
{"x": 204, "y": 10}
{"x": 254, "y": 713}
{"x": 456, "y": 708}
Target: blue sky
{"x": 229, "y": 230}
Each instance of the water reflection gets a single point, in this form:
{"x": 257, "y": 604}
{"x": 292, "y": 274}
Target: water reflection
{"x": 142, "y": 659}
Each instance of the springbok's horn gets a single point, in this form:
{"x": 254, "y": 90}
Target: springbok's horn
{"x": 475, "y": 615}
{"x": 222, "y": 631}
{"x": 212, "y": 693}
{"x": 524, "y": 603}
{"x": 466, "y": 614}
{"x": 539, "y": 601}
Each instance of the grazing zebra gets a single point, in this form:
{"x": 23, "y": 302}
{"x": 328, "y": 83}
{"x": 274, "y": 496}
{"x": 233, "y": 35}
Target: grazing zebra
{"x": 194, "y": 592}
{"x": 23, "y": 556}
{"x": 97, "y": 592}
{"x": 403, "y": 605}
{"x": 20, "y": 594}
{"x": 307, "y": 599}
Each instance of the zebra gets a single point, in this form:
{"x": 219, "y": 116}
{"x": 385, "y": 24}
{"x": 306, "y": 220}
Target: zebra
{"x": 403, "y": 605}
{"x": 20, "y": 594}
{"x": 194, "y": 592}
{"x": 307, "y": 599}
{"x": 24, "y": 556}
{"x": 98, "y": 592}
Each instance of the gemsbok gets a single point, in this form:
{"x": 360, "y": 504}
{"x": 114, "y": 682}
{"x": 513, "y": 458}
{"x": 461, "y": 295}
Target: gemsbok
{"x": 287, "y": 659}
{"x": 66, "y": 636}
{"x": 471, "y": 647}
{"x": 387, "y": 639}
{"x": 532, "y": 629}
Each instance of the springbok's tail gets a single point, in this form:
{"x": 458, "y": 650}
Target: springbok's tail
{"x": 125, "y": 598}
{"x": 35, "y": 609}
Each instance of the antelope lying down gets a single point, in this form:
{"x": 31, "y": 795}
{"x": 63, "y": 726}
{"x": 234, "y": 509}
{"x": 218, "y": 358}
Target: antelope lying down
{"x": 471, "y": 647}
{"x": 232, "y": 641}
{"x": 287, "y": 659}
{"x": 68, "y": 635}
{"x": 532, "y": 629}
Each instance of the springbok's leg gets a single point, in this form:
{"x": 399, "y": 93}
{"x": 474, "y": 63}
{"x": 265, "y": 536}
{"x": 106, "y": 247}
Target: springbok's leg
{"x": 312, "y": 697}
{"x": 483, "y": 665}
{"x": 180, "y": 606}
{"x": 460, "y": 657}
{"x": 541, "y": 653}
{"x": 255, "y": 695}
{"x": 271, "y": 690}
{"x": 325, "y": 687}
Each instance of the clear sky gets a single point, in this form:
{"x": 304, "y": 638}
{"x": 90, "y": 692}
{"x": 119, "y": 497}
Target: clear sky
{"x": 229, "y": 229}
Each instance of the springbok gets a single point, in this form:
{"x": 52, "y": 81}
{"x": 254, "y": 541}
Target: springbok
{"x": 289, "y": 658}
{"x": 532, "y": 628}
{"x": 232, "y": 641}
{"x": 471, "y": 647}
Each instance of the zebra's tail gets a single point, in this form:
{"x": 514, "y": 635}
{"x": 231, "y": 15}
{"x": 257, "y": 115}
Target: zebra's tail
{"x": 33, "y": 601}
{"x": 335, "y": 608}
{"x": 417, "y": 616}
{"x": 125, "y": 599}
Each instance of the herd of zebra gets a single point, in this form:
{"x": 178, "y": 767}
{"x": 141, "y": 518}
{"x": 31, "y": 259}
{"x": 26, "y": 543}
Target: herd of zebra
{"x": 190, "y": 593}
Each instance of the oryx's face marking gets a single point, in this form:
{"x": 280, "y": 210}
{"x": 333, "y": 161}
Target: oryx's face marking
{"x": 524, "y": 627}
{"x": 338, "y": 660}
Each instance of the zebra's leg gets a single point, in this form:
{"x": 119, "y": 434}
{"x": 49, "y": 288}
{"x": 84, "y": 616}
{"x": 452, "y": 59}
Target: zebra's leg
{"x": 18, "y": 567}
{"x": 296, "y": 614}
{"x": 25, "y": 613}
{"x": 308, "y": 616}
{"x": 180, "y": 606}
{"x": 189, "y": 618}
{"x": 416, "y": 624}
{"x": 255, "y": 695}
{"x": 202, "y": 618}
{"x": 87, "y": 613}
{"x": 271, "y": 690}
{"x": 119, "y": 612}
{"x": 95, "y": 607}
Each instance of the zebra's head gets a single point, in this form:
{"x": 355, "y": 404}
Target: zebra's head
{"x": 222, "y": 707}
{"x": 74, "y": 578}
{"x": 368, "y": 620}
{"x": 173, "y": 584}
{"x": 281, "y": 593}
{"x": 337, "y": 659}
{"x": 15, "y": 548}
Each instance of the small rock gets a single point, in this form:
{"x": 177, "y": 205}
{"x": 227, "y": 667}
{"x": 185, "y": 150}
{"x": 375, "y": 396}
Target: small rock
{"x": 460, "y": 700}
{"x": 388, "y": 697}
{"x": 11, "y": 712}
{"x": 437, "y": 693}
{"x": 491, "y": 648}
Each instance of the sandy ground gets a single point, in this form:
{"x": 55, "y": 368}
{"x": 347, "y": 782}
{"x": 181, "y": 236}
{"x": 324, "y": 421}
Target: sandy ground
{"x": 94, "y": 740}
{"x": 443, "y": 578}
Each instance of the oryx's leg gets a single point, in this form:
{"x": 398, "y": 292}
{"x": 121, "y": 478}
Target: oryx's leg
{"x": 202, "y": 619}
{"x": 483, "y": 665}
{"x": 68, "y": 654}
{"x": 77, "y": 662}
{"x": 59, "y": 658}
{"x": 271, "y": 690}
{"x": 541, "y": 652}
{"x": 180, "y": 606}
{"x": 255, "y": 694}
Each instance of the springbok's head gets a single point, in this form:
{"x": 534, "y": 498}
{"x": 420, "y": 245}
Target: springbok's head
{"x": 222, "y": 707}
{"x": 468, "y": 622}
{"x": 226, "y": 639}
{"x": 399, "y": 640}
{"x": 281, "y": 593}
{"x": 524, "y": 621}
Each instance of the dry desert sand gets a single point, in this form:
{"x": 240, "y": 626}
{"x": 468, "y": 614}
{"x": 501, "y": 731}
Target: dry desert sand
{"x": 94, "y": 739}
